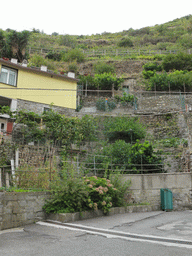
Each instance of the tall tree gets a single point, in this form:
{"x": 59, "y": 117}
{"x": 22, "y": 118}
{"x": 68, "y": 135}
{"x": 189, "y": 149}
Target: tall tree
{"x": 16, "y": 44}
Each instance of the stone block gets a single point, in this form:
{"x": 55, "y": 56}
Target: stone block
{"x": 75, "y": 216}
{"x": 122, "y": 210}
{"x": 64, "y": 217}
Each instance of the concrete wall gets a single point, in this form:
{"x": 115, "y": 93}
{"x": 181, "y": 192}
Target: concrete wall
{"x": 18, "y": 209}
{"x": 146, "y": 188}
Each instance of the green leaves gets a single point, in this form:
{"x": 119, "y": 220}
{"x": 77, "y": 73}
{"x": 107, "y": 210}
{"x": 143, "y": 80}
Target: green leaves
{"x": 123, "y": 128}
{"x": 105, "y": 81}
{"x": 181, "y": 61}
{"x": 56, "y": 128}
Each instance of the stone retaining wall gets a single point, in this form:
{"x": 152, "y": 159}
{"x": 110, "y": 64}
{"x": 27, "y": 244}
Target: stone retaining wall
{"x": 40, "y": 107}
{"x": 18, "y": 209}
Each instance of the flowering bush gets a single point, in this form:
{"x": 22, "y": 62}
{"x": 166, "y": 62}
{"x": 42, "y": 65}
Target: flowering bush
{"x": 101, "y": 193}
{"x": 77, "y": 194}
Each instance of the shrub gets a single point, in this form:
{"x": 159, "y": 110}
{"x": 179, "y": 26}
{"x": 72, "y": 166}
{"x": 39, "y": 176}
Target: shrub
{"x": 104, "y": 105}
{"x": 152, "y": 66}
{"x": 72, "y": 67}
{"x": 148, "y": 74}
{"x": 77, "y": 194}
{"x": 54, "y": 55}
{"x": 102, "y": 67}
{"x": 159, "y": 82}
{"x": 106, "y": 81}
{"x": 37, "y": 61}
{"x": 67, "y": 40}
{"x": 180, "y": 61}
{"x": 125, "y": 42}
{"x": 123, "y": 128}
{"x": 74, "y": 55}
{"x": 143, "y": 154}
{"x": 126, "y": 99}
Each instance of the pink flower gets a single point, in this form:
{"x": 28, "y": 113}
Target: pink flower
{"x": 97, "y": 189}
{"x": 105, "y": 189}
{"x": 100, "y": 191}
{"x": 114, "y": 189}
{"x": 95, "y": 177}
{"x": 100, "y": 187}
{"x": 109, "y": 185}
{"x": 90, "y": 186}
{"x": 103, "y": 203}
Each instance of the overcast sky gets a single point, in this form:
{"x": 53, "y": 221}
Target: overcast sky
{"x": 88, "y": 17}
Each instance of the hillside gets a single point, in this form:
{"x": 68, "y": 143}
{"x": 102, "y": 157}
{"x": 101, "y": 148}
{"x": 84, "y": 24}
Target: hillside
{"x": 127, "y": 50}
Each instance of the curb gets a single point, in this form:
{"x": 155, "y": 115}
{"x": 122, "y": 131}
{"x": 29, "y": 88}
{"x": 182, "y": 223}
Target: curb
{"x": 70, "y": 217}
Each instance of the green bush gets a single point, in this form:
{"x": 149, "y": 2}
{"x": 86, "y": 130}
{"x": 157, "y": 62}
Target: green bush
{"x": 125, "y": 156}
{"x": 143, "y": 153}
{"x": 54, "y": 55}
{"x": 152, "y": 66}
{"x": 102, "y": 67}
{"x": 125, "y": 42}
{"x": 178, "y": 80}
{"x": 104, "y": 105}
{"x": 37, "y": 61}
{"x": 106, "y": 81}
{"x": 76, "y": 194}
{"x": 180, "y": 61}
{"x": 148, "y": 74}
{"x": 123, "y": 128}
{"x": 126, "y": 99}
{"x": 72, "y": 67}
{"x": 67, "y": 40}
{"x": 74, "y": 55}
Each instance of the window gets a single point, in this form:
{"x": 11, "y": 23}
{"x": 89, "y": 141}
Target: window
{"x": 8, "y": 76}
{"x": 2, "y": 127}
{"x": 46, "y": 109}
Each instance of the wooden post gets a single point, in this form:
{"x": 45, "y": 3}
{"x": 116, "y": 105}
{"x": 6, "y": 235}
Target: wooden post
{"x": 86, "y": 89}
{"x": 113, "y": 91}
{"x": 0, "y": 179}
{"x": 7, "y": 179}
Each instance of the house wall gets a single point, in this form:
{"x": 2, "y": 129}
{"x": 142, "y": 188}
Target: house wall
{"x": 46, "y": 82}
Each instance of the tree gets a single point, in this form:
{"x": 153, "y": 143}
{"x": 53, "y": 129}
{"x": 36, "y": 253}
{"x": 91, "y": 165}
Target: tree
{"x": 16, "y": 44}
{"x": 2, "y": 44}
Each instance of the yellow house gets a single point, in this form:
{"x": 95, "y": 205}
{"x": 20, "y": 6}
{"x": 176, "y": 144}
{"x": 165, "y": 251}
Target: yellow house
{"x": 19, "y": 83}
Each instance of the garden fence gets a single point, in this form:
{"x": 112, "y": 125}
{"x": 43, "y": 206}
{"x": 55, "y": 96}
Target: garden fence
{"x": 108, "y": 52}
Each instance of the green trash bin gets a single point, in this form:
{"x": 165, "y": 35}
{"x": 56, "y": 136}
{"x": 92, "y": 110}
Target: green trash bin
{"x": 166, "y": 199}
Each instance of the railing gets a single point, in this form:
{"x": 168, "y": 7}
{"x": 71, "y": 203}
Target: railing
{"x": 109, "y": 52}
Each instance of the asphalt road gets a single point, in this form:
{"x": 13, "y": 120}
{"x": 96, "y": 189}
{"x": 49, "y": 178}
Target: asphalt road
{"x": 43, "y": 239}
